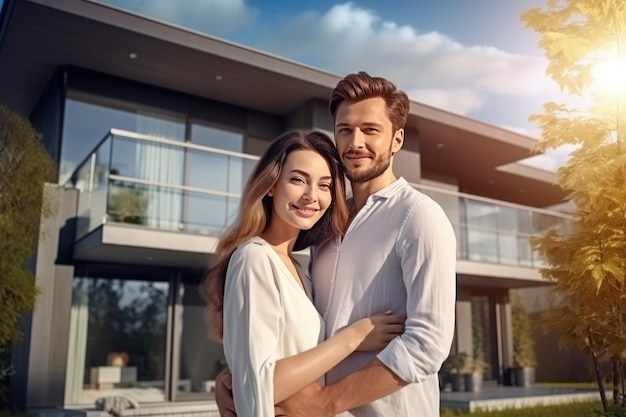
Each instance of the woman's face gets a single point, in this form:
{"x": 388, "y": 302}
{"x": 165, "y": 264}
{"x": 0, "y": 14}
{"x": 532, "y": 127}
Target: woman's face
{"x": 302, "y": 193}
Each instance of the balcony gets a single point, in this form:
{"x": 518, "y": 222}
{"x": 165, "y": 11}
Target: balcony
{"x": 145, "y": 183}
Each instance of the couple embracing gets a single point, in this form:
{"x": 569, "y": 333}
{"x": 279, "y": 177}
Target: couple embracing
{"x": 366, "y": 328}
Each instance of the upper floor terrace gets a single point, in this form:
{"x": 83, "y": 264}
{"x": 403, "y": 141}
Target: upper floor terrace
{"x": 149, "y": 199}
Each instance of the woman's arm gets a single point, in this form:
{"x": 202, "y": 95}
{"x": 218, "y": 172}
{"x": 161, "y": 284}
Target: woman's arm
{"x": 296, "y": 372}
{"x": 252, "y": 326}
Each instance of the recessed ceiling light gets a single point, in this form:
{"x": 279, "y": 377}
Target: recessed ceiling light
{"x": 218, "y": 78}
{"x": 133, "y": 55}
{"x": 440, "y": 145}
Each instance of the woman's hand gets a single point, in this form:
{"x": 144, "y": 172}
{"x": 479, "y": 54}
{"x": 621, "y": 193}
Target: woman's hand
{"x": 377, "y": 331}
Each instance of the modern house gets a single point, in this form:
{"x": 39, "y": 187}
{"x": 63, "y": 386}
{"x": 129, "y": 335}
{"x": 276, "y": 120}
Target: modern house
{"x": 155, "y": 129}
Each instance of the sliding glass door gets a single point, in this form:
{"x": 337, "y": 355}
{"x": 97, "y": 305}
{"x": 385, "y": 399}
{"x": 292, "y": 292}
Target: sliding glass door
{"x": 118, "y": 334}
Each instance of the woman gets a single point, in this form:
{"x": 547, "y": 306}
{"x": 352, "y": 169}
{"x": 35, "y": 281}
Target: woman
{"x": 260, "y": 298}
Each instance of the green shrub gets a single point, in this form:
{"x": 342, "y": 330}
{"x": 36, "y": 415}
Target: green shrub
{"x": 24, "y": 168}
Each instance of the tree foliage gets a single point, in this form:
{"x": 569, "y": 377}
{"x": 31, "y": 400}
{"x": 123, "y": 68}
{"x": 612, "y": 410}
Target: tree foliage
{"x": 523, "y": 342}
{"x": 588, "y": 265}
{"x": 24, "y": 167}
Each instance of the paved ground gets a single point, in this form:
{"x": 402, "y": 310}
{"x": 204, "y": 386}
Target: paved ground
{"x": 500, "y": 397}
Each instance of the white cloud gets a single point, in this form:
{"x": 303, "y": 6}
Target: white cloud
{"x": 431, "y": 67}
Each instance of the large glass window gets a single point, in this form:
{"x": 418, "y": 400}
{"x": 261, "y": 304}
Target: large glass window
{"x": 153, "y": 182}
{"x": 216, "y": 138}
{"x": 200, "y": 358}
{"x": 118, "y": 334}
{"x": 222, "y": 175}
{"x": 87, "y": 122}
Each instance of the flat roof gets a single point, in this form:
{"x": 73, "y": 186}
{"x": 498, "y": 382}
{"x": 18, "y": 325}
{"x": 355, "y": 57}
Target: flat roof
{"x": 39, "y": 36}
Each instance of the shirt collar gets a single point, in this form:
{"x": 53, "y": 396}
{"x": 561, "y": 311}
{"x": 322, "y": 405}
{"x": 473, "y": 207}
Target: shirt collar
{"x": 384, "y": 193}
{"x": 389, "y": 190}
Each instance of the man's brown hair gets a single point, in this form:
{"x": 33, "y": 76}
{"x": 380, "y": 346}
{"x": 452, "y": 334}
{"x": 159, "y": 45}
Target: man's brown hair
{"x": 361, "y": 86}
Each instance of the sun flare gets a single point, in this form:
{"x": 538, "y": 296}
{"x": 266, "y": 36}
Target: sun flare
{"x": 610, "y": 75}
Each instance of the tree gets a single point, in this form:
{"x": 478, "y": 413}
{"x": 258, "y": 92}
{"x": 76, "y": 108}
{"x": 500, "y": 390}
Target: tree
{"x": 24, "y": 168}
{"x": 583, "y": 41}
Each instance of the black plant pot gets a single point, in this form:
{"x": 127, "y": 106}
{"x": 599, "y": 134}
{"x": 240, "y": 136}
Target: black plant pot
{"x": 508, "y": 377}
{"x": 524, "y": 377}
{"x": 473, "y": 382}
{"x": 457, "y": 382}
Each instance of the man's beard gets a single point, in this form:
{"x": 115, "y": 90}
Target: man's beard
{"x": 379, "y": 166}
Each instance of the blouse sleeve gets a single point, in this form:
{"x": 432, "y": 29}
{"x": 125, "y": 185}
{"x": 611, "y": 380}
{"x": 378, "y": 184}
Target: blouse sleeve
{"x": 252, "y": 323}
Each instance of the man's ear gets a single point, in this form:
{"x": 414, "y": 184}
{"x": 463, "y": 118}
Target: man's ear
{"x": 397, "y": 141}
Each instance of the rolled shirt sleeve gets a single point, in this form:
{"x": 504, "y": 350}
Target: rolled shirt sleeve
{"x": 426, "y": 248}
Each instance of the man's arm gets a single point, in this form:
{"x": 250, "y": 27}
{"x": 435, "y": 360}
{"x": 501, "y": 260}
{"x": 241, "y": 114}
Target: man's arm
{"x": 347, "y": 393}
{"x": 363, "y": 386}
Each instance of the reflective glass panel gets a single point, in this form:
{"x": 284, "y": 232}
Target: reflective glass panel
{"x": 86, "y": 123}
{"x": 200, "y": 357}
{"x": 118, "y": 330}
{"x": 216, "y": 138}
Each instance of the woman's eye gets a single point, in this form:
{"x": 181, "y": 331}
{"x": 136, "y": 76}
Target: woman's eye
{"x": 298, "y": 179}
{"x": 326, "y": 186}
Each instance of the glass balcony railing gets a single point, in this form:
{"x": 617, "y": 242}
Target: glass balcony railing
{"x": 159, "y": 183}
{"x": 170, "y": 185}
{"x": 495, "y": 231}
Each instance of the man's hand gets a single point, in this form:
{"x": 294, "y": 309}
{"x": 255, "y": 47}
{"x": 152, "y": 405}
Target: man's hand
{"x": 224, "y": 393}
{"x": 307, "y": 403}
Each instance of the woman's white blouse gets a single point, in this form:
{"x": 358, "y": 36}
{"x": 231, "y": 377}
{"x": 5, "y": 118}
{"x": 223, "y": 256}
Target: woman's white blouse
{"x": 267, "y": 316}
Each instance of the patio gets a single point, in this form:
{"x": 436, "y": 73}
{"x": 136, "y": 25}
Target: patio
{"x": 499, "y": 397}
{"x": 491, "y": 397}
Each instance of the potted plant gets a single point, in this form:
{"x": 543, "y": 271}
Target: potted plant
{"x": 474, "y": 372}
{"x": 475, "y": 368}
{"x": 524, "y": 359}
{"x": 455, "y": 365}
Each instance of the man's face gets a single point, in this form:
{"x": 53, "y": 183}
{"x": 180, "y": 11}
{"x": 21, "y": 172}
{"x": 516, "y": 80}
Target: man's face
{"x": 365, "y": 139}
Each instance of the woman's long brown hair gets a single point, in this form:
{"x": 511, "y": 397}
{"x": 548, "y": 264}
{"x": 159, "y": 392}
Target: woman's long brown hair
{"x": 255, "y": 213}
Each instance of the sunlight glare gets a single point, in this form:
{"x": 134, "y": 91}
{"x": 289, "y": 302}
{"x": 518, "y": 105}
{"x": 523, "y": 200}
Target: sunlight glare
{"x": 610, "y": 76}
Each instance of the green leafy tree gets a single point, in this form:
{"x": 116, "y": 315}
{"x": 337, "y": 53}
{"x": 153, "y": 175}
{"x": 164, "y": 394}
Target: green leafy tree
{"x": 584, "y": 42}
{"x": 24, "y": 167}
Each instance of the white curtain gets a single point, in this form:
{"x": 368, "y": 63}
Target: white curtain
{"x": 75, "y": 370}
{"x": 161, "y": 164}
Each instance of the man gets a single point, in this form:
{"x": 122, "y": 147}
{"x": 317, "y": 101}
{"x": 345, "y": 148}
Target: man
{"x": 398, "y": 254}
